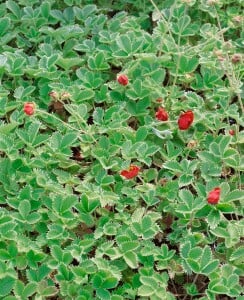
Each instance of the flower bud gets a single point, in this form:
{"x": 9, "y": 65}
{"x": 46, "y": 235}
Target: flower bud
{"x": 29, "y": 108}
{"x": 185, "y": 120}
{"x": 161, "y": 114}
{"x": 54, "y": 95}
{"x": 123, "y": 79}
{"x": 213, "y": 196}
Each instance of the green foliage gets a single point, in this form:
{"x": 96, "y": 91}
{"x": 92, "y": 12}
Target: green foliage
{"x": 71, "y": 225}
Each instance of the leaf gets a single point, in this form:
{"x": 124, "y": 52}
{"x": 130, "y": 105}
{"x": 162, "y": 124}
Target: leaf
{"x": 219, "y": 289}
{"x": 68, "y": 140}
{"x": 6, "y": 285}
{"x": 234, "y": 196}
{"x": 187, "y": 197}
{"x": 129, "y": 246}
{"x": 148, "y": 280}
{"x": 24, "y": 208}
{"x": 187, "y": 64}
{"x": 226, "y": 208}
{"x": 14, "y": 8}
{"x": 98, "y": 62}
{"x": 7, "y": 128}
{"x": 19, "y": 288}
{"x": 45, "y": 9}
{"x": 49, "y": 291}
{"x": 4, "y": 25}
{"x": 29, "y": 290}
{"x": 195, "y": 253}
{"x": 206, "y": 256}
{"x": 213, "y": 218}
{"x": 88, "y": 10}
{"x": 145, "y": 291}
{"x": 194, "y": 265}
{"x": 238, "y": 254}
{"x": 124, "y": 43}
{"x": 231, "y": 157}
{"x": 87, "y": 205}
{"x": 3, "y": 60}
{"x": 220, "y": 232}
{"x": 185, "y": 249}
{"x": 110, "y": 283}
{"x": 4, "y": 255}
{"x": 55, "y": 232}
{"x": 103, "y": 294}
{"x": 57, "y": 14}
{"x": 63, "y": 204}
{"x": 173, "y": 165}
{"x": 22, "y": 93}
{"x": 131, "y": 259}
{"x": 183, "y": 26}
{"x": 84, "y": 95}
{"x": 141, "y": 134}
{"x": 33, "y": 131}
{"x": 57, "y": 253}
{"x": 208, "y": 269}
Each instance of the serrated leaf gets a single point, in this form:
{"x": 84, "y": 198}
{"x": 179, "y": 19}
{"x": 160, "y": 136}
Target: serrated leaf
{"x": 208, "y": 269}
{"x": 193, "y": 265}
{"x": 24, "y": 208}
{"x": 4, "y": 255}
{"x": 206, "y": 256}
{"x": 68, "y": 140}
{"x": 131, "y": 259}
{"x": 147, "y": 280}
{"x": 29, "y": 290}
{"x": 6, "y": 285}
{"x": 141, "y": 134}
{"x": 213, "y": 218}
{"x": 4, "y": 25}
{"x": 145, "y": 291}
{"x": 7, "y": 128}
{"x": 110, "y": 283}
{"x": 19, "y": 288}
{"x": 219, "y": 289}
{"x": 234, "y": 196}
{"x": 195, "y": 253}
{"x": 57, "y": 253}
{"x": 128, "y": 246}
{"x": 220, "y": 232}
{"x": 238, "y": 254}
{"x": 185, "y": 249}
{"x": 103, "y": 294}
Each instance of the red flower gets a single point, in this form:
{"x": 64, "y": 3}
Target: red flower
{"x": 213, "y": 196}
{"x": 161, "y": 114}
{"x": 232, "y": 132}
{"x": 29, "y": 108}
{"x": 123, "y": 79}
{"x": 132, "y": 172}
{"x": 185, "y": 120}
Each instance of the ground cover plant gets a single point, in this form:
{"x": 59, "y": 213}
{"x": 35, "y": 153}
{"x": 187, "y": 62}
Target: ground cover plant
{"x": 120, "y": 149}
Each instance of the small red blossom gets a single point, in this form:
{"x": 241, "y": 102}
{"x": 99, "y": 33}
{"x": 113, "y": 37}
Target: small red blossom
{"x": 123, "y": 79}
{"x": 214, "y": 195}
{"x": 232, "y": 132}
{"x": 29, "y": 108}
{"x": 159, "y": 100}
{"x": 132, "y": 172}
{"x": 161, "y": 114}
{"x": 185, "y": 120}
